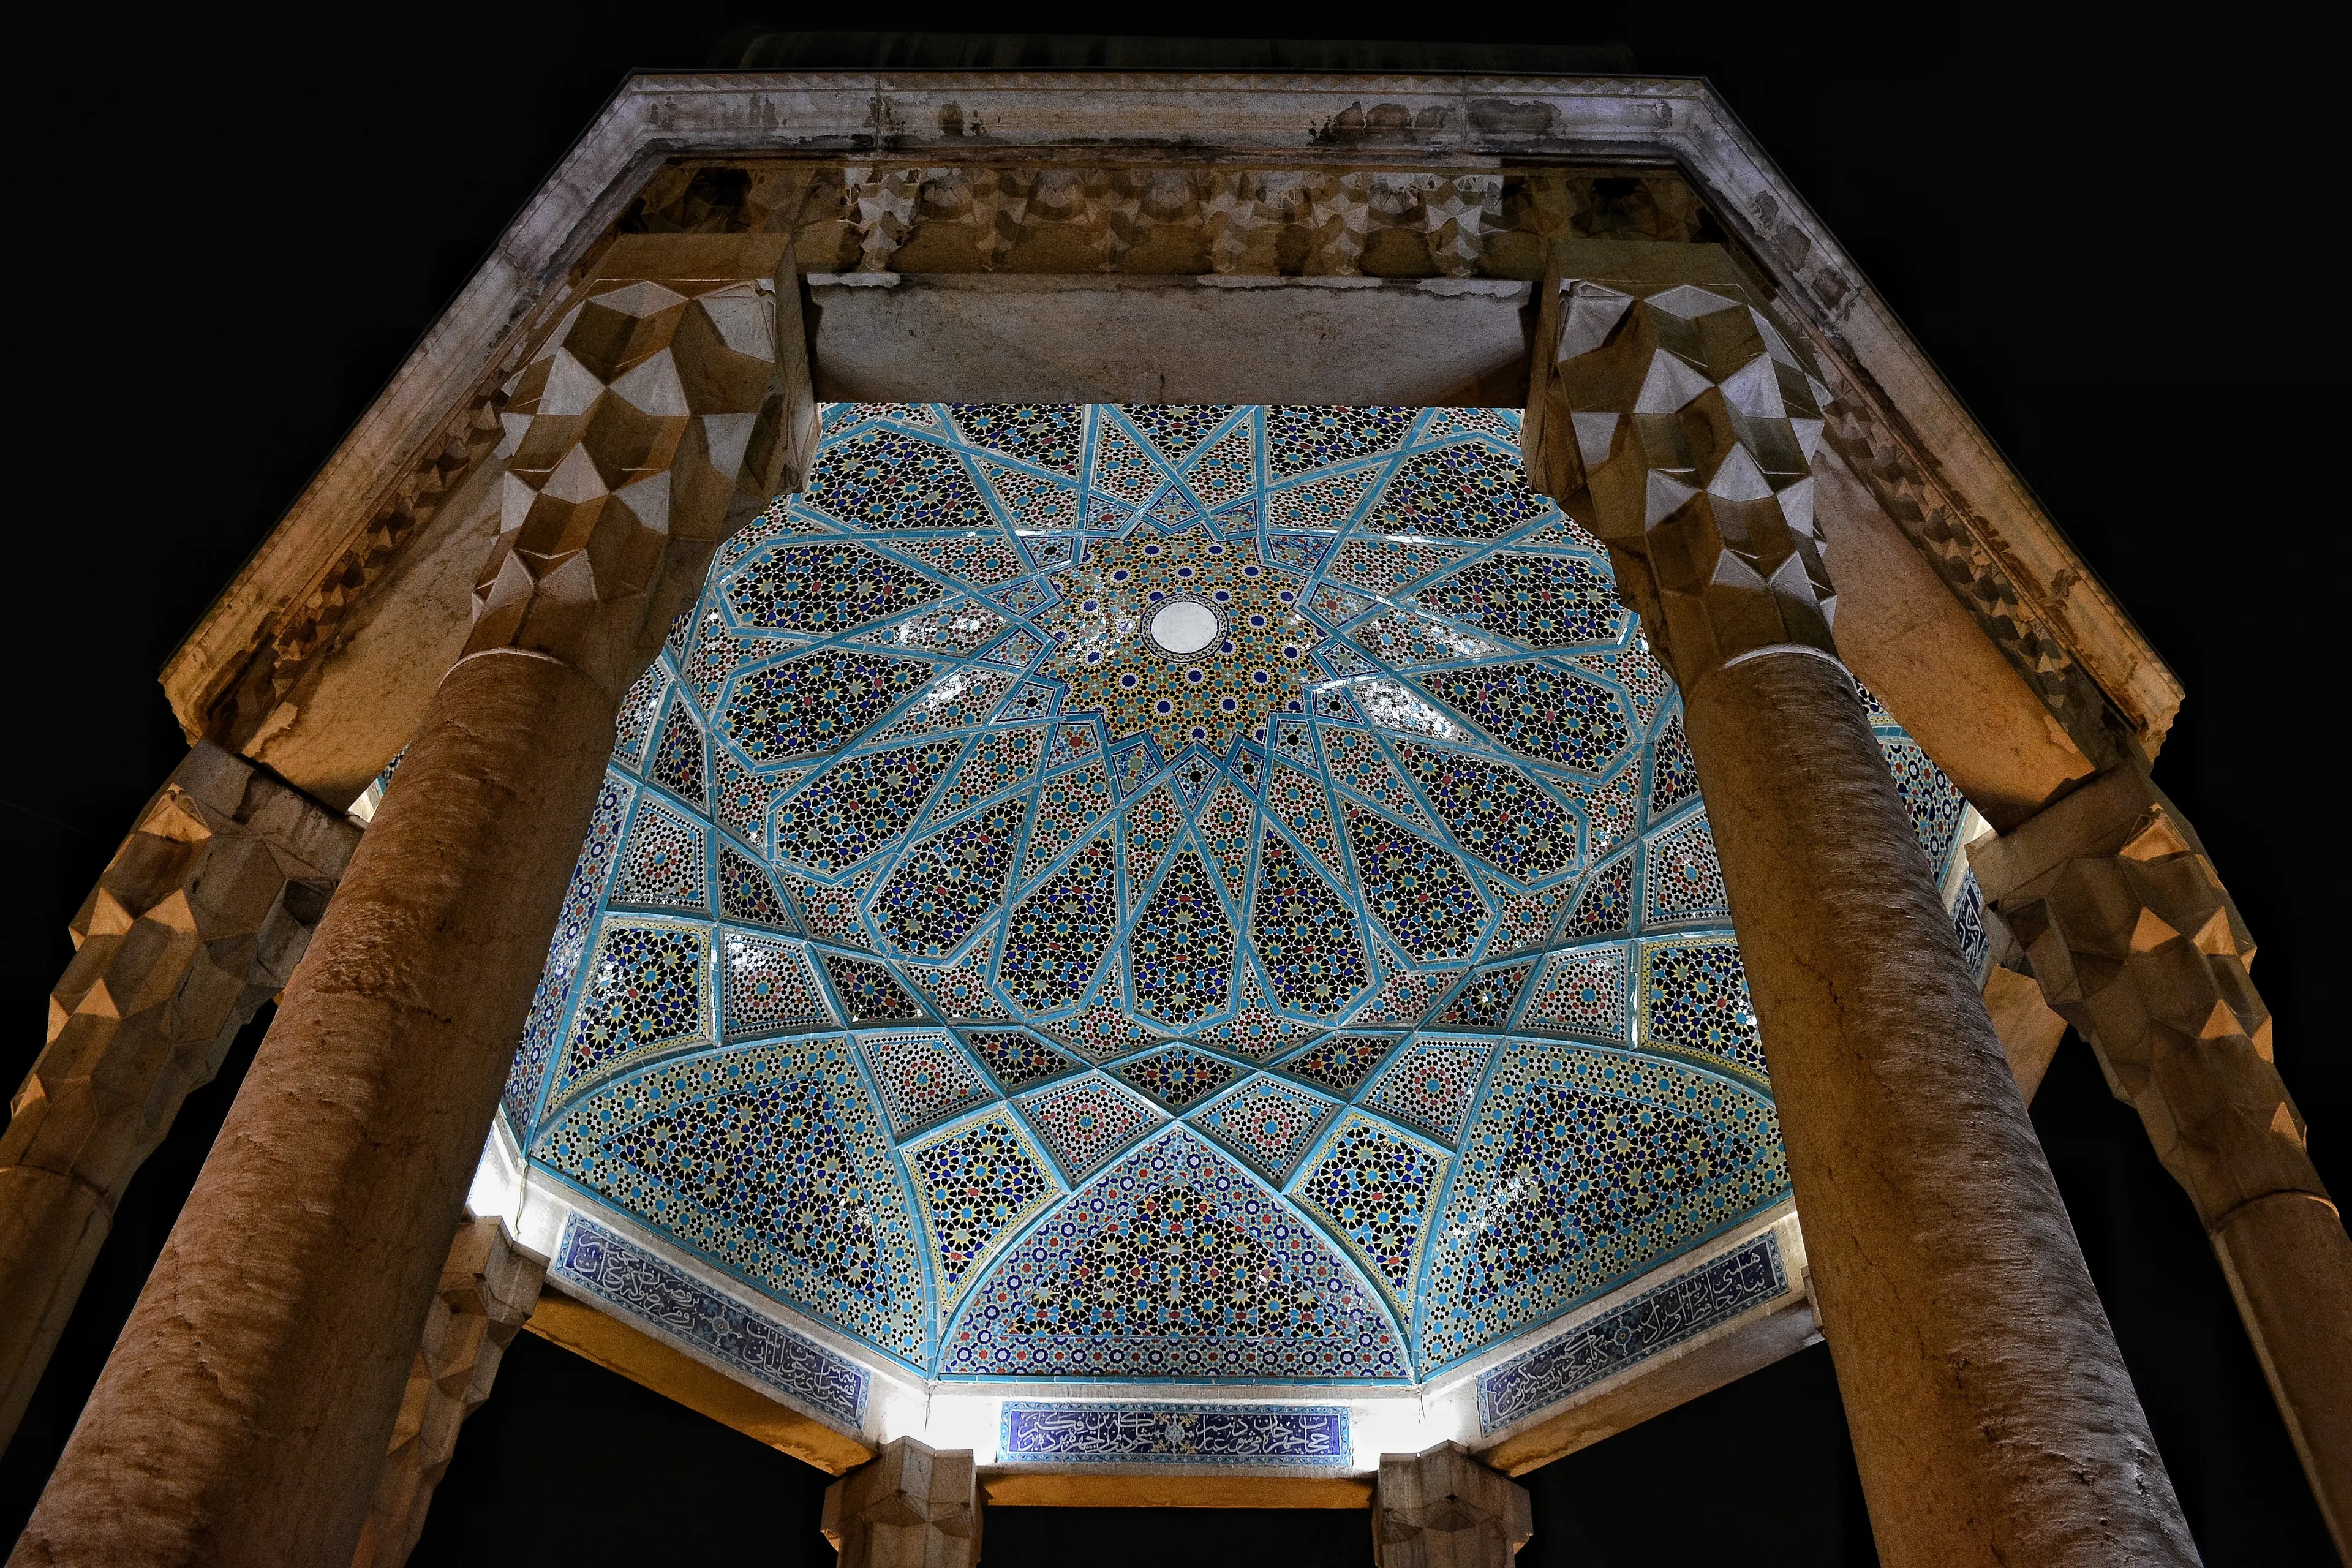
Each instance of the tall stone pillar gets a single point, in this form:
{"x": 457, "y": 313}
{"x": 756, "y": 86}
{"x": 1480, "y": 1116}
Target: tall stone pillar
{"x": 908, "y": 1507}
{"x": 198, "y": 920}
{"x": 2136, "y": 942}
{"x": 1442, "y": 1509}
{"x": 246, "y": 1412}
{"x": 1991, "y": 1414}
{"x": 488, "y": 1291}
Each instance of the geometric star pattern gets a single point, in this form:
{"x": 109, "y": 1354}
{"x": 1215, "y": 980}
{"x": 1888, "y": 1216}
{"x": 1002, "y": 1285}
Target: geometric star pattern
{"x": 1327, "y": 981}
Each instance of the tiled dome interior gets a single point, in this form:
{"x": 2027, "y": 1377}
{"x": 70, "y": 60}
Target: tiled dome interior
{"x": 1160, "y": 893}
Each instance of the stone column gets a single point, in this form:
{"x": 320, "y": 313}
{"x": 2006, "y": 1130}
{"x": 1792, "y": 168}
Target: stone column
{"x": 248, "y": 1407}
{"x": 909, "y": 1507}
{"x": 487, "y": 1291}
{"x": 198, "y": 920}
{"x": 1991, "y": 1414}
{"x": 1442, "y": 1509}
{"x": 2136, "y": 942}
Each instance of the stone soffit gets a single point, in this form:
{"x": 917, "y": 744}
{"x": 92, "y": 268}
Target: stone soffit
{"x": 1900, "y": 427}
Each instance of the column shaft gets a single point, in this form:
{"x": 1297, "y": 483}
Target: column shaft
{"x": 2135, "y": 941}
{"x": 1992, "y": 1418}
{"x": 198, "y": 920}
{"x": 248, "y": 1406}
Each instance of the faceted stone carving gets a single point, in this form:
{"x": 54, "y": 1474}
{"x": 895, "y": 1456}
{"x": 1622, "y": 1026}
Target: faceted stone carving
{"x": 199, "y": 918}
{"x": 1442, "y": 1509}
{"x": 1674, "y": 421}
{"x": 2137, "y": 945}
{"x": 911, "y": 1507}
{"x": 488, "y": 1291}
{"x": 660, "y": 414}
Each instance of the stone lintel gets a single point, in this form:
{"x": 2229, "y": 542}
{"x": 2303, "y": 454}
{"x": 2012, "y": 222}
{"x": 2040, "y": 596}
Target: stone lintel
{"x": 643, "y": 1359}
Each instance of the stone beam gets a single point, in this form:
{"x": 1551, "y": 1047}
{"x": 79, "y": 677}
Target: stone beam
{"x": 199, "y": 919}
{"x": 2137, "y": 943}
{"x": 1028, "y": 1487}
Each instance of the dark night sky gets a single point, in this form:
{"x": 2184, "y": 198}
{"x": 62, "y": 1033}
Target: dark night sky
{"x": 229, "y": 234}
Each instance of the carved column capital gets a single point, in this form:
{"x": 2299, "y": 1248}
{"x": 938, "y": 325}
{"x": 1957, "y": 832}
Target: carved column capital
{"x": 911, "y": 1507}
{"x": 665, "y": 411}
{"x": 2136, "y": 942}
{"x": 1670, "y": 416}
{"x": 1442, "y": 1509}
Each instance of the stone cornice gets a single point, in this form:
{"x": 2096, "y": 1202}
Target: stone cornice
{"x": 1900, "y": 425}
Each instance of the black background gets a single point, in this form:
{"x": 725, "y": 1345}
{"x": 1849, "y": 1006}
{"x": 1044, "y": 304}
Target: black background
{"x": 229, "y": 230}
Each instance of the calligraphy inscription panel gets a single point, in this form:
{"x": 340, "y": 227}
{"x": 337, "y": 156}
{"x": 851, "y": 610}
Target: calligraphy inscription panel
{"x": 1285, "y": 1435}
{"x": 637, "y": 1285}
{"x": 1687, "y": 1305}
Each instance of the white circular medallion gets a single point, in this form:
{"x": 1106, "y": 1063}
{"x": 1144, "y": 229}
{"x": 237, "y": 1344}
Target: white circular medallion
{"x": 1185, "y": 626}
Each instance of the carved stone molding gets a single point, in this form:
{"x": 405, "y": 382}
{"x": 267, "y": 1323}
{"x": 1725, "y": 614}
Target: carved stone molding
{"x": 489, "y": 1291}
{"x": 1442, "y": 1509}
{"x": 911, "y": 1507}
{"x": 1671, "y": 417}
{"x": 199, "y": 919}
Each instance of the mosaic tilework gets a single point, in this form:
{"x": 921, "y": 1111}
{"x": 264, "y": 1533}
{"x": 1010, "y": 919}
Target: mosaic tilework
{"x": 976, "y": 1184}
{"x": 1682, "y": 1308}
{"x": 921, "y": 1076}
{"x": 1681, "y": 877}
{"x": 1582, "y": 1167}
{"x": 1582, "y": 992}
{"x": 1340, "y": 1062}
{"x": 770, "y": 1160}
{"x": 896, "y": 748}
{"x": 591, "y": 1260}
{"x": 825, "y": 588}
{"x": 1538, "y": 710}
{"x": 645, "y": 991}
{"x": 1088, "y": 1121}
{"x": 1304, "y": 935}
{"x": 808, "y": 706}
{"x": 870, "y": 992}
{"x": 859, "y": 805}
{"x": 1431, "y": 1085}
{"x": 949, "y": 883}
{"x": 1178, "y": 1077}
{"x": 1284, "y": 1436}
{"x": 1173, "y": 1263}
{"x": 1934, "y": 802}
{"x": 1180, "y": 953}
{"x": 1015, "y": 1058}
{"x": 1540, "y": 601}
{"x": 765, "y": 987}
{"x": 1268, "y": 1122}
{"x": 662, "y": 862}
{"x": 1495, "y": 811}
{"x": 1376, "y": 1187}
{"x": 1418, "y": 893}
{"x": 1693, "y": 993}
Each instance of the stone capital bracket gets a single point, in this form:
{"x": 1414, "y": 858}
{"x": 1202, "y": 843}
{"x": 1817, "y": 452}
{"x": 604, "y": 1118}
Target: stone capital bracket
{"x": 1442, "y": 1509}
{"x": 199, "y": 919}
{"x": 1670, "y": 416}
{"x": 2136, "y": 942}
{"x": 489, "y": 1288}
{"x": 911, "y": 1507}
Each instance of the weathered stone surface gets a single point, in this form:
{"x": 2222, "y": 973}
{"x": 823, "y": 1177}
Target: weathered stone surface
{"x": 1442, "y": 1509}
{"x": 247, "y": 1410}
{"x": 199, "y": 919}
{"x": 1991, "y": 1416}
{"x": 912, "y": 1507}
{"x": 488, "y": 1289}
{"x": 2137, "y": 943}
